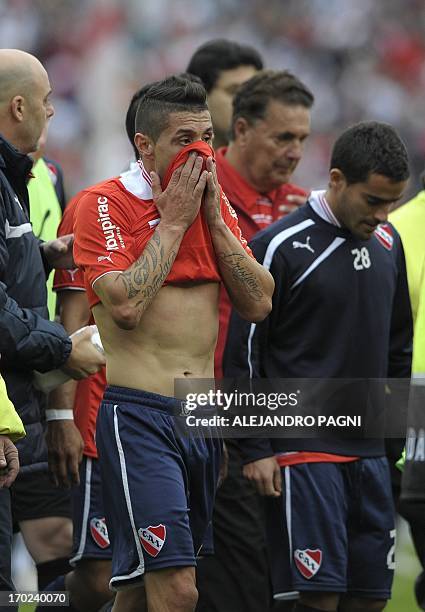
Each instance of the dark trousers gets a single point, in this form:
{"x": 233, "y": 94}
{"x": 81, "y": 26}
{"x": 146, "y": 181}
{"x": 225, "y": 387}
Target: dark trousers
{"x": 235, "y": 578}
{"x": 6, "y": 533}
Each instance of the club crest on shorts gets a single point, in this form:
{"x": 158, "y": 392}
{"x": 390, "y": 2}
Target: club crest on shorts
{"x": 384, "y": 233}
{"x": 99, "y": 532}
{"x": 152, "y": 538}
{"x": 308, "y": 561}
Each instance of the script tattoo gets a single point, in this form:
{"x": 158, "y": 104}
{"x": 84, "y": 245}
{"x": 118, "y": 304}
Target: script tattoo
{"x": 148, "y": 273}
{"x": 237, "y": 264}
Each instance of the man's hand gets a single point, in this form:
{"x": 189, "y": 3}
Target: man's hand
{"x": 85, "y": 359}
{"x": 180, "y": 202}
{"x": 65, "y": 446}
{"x": 265, "y": 473}
{"x": 211, "y": 204}
{"x": 9, "y": 462}
{"x": 58, "y": 252}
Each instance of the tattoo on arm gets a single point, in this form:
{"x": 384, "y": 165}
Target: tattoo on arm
{"x": 236, "y": 263}
{"x": 147, "y": 275}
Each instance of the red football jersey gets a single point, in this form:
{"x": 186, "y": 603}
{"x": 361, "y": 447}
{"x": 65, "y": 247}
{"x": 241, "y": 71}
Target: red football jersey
{"x": 115, "y": 219}
{"x": 89, "y": 391}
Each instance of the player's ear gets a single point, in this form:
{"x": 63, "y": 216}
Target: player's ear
{"x": 337, "y": 180}
{"x": 144, "y": 144}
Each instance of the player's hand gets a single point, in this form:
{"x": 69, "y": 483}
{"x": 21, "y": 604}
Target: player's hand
{"x": 180, "y": 202}
{"x": 58, "y": 252}
{"x": 265, "y": 474}
{"x": 65, "y": 451}
{"x": 9, "y": 462}
{"x": 85, "y": 359}
{"x": 211, "y": 204}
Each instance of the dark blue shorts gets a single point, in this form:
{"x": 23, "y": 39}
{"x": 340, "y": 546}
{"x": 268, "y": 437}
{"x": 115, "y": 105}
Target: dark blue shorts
{"x": 159, "y": 483}
{"x": 333, "y": 530}
{"x": 91, "y": 539}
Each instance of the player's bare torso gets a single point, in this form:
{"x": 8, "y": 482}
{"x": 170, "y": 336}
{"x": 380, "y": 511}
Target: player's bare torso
{"x": 175, "y": 338}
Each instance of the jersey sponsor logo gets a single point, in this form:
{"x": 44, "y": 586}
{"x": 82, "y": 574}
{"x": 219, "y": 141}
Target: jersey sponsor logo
{"x": 99, "y": 532}
{"x": 296, "y": 244}
{"x": 229, "y": 207}
{"x": 111, "y": 232}
{"x": 308, "y": 561}
{"x": 384, "y": 233}
{"x": 152, "y": 538}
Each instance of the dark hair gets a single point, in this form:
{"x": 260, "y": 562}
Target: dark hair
{"x": 370, "y": 147}
{"x": 130, "y": 117}
{"x": 217, "y": 55}
{"x": 254, "y": 95}
{"x": 174, "y": 94}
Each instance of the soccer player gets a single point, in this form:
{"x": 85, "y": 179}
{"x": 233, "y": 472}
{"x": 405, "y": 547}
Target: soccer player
{"x": 72, "y": 446}
{"x": 341, "y": 310}
{"x": 153, "y": 251}
{"x": 223, "y": 66}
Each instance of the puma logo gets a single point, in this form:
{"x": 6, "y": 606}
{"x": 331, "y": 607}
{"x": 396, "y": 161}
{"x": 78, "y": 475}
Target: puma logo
{"x": 303, "y": 245}
{"x": 72, "y": 273}
{"x": 105, "y": 257}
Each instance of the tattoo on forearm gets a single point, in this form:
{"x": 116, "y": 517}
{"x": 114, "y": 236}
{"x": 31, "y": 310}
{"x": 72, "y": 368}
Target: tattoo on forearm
{"x": 237, "y": 265}
{"x": 148, "y": 273}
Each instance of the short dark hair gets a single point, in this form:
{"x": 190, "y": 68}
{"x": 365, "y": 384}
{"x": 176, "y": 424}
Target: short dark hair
{"x": 218, "y": 55}
{"x": 130, "y": 117}
{"x": 370, "y": 147}
{"x": 171, "y": 95}
{"x": 254, "y": 95}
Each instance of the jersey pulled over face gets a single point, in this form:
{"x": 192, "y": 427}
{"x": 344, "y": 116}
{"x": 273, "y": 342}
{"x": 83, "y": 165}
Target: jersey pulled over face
{"x": 115, "y": 220}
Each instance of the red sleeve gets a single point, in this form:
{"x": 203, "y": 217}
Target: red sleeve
{"x": 231, "y": 220}
{"x": 103, "y": 240}
{"x": 68, "y": 279}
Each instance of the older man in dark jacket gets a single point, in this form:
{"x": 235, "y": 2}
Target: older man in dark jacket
{"x": 28, "y": 341}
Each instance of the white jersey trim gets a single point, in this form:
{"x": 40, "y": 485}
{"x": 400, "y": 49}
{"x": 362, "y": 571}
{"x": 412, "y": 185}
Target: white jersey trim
{"x": 16, "y": 231}
{"x": 136, "y": 181}
{"x": 328, "y": 251}
{"x": 268, "y": 258}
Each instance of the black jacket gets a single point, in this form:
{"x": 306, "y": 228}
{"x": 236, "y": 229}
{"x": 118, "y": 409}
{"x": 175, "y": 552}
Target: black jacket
{"x": 28, "y": 340}
{"x": 341, "y": 310}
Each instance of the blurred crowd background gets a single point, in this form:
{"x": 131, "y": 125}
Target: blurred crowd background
{"x": 363, "y": 59}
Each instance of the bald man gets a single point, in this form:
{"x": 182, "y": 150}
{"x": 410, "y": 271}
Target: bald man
{"x": 28, "y": 341}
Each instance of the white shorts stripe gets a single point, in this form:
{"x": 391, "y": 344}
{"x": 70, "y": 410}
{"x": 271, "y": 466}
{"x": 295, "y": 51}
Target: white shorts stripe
{"x": 141, "y": 567}
{"x": 86, "y": 510}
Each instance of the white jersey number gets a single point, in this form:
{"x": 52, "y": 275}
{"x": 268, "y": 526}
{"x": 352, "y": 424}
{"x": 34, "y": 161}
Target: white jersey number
{"x": 390, "y": 555}
{"x": 361, "y": 258}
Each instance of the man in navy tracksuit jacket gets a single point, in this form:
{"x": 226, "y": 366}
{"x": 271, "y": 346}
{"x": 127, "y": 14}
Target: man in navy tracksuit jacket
{"x": 341, "y": 310}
